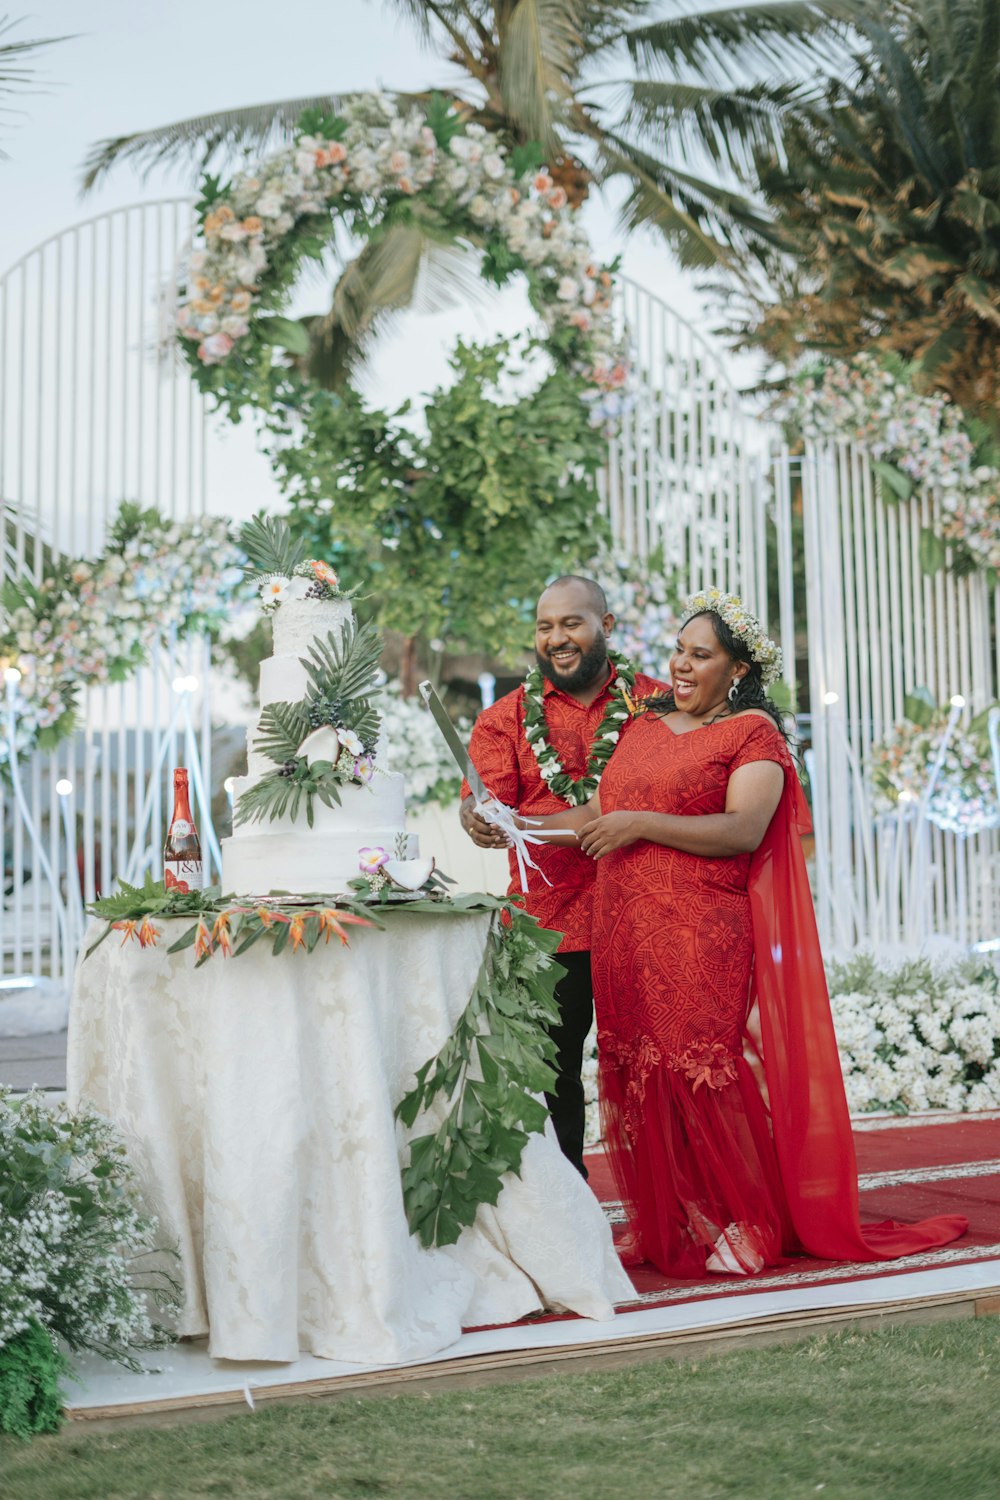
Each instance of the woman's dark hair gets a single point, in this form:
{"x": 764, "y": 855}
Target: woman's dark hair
{"x": 750, "y": 690}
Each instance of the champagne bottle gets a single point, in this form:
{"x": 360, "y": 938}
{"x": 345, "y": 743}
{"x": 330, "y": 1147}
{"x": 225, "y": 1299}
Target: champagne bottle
{"x": 182, "y": 868}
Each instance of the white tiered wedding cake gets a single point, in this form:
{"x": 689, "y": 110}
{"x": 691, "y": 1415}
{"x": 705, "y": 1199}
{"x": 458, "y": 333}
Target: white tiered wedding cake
{"x": 310, "y": 843}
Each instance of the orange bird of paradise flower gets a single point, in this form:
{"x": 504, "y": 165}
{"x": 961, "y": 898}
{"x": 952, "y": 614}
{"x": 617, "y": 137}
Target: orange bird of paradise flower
{"x": 331, "y": 922}
{"x": 148, "y": 934}
{"x": 202, "y": 939}
{"x": 220, "y": 933}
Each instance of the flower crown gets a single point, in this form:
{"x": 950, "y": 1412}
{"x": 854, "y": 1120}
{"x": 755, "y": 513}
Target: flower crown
{"x": 745, "y": 626}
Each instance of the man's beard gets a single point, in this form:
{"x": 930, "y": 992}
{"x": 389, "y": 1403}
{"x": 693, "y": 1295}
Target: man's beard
{"x": 591, "y": 665}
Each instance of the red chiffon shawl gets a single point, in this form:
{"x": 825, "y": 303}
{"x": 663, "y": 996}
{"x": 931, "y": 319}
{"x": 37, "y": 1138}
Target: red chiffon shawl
{"x": 810, "y": 1121}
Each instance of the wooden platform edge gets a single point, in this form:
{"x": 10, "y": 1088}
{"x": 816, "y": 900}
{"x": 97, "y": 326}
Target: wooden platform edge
{"x": 471, "y": 1370}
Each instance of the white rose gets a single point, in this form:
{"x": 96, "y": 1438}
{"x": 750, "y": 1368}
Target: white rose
{"x": 493, "y": 165}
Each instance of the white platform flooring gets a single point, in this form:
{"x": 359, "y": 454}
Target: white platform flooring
{"x": 186, "y": 1377}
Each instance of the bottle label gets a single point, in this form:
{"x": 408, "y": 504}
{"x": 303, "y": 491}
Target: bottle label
{"x": 182, "y": 875}
{"x": 180, "y": 828}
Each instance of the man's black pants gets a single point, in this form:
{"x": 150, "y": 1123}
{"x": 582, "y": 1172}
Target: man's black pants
{"x": 575, "y": 996}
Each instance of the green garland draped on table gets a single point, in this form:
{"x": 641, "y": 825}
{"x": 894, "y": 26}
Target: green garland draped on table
{"x": 490, "y": 1071}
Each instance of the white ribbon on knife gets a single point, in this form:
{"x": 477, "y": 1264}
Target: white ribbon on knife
{"x": 489, "y": 808}
{"x": 503, "y": 817}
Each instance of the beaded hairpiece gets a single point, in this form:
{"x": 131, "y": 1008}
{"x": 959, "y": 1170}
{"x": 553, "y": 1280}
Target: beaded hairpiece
{"x": 745, "y": 626}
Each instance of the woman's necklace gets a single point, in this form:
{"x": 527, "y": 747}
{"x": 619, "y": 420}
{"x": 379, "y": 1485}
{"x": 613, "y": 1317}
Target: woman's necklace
{"x": 620, "y": 707}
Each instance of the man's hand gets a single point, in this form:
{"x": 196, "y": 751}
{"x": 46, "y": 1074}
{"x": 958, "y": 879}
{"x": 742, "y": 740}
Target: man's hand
{"x": 614, "y": 830}
{"x": 484, "y": 835}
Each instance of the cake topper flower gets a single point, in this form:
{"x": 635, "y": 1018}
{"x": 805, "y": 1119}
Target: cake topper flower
{"x": 274, "y": 589}
{"x": 370, "y": 863}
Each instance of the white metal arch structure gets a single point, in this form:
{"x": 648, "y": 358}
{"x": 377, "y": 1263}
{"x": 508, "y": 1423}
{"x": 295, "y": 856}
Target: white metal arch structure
{"x": 91, "y": 413}
{"x": 878, "y": 627}
{"x": 687, "y": 468}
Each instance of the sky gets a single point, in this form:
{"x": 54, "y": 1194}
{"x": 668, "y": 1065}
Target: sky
{"x": 130, "y": 67}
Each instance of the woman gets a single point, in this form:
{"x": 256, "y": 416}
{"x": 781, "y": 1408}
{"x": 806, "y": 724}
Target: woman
{"x": 705, "y": 939}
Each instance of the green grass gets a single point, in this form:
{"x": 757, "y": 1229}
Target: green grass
{"x": 902, "y": 1414}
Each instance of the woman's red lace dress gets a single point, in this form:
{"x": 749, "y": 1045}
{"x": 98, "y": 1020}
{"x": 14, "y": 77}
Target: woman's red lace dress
{"x": 690, "y": 956}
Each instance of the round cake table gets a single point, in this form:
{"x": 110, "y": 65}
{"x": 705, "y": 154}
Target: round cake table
{"x": 256, "y": 1098}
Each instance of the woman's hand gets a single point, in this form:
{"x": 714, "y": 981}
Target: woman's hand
{"x": 611, "y": 831}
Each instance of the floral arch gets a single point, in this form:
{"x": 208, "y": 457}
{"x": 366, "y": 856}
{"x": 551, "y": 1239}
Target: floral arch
{"x": 372, "y": 167}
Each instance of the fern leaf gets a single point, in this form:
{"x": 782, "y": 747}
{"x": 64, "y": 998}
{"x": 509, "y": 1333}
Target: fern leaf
{"x": 270, "y": 546}
{"x": 366, "y": 724}
{"x": 282, "y": 728}
{"x": 345, "y": 667}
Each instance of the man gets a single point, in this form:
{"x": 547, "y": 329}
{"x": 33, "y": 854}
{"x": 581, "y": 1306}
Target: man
{"x": 539, "y": 749}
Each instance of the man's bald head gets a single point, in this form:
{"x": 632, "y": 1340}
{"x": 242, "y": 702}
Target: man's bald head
{"x": 596, "y": 597}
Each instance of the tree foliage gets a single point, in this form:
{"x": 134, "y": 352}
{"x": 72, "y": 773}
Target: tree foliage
{"x": 669, "y": 98}
{"x": 885, "y": 207}
{"x": 456, "y": 528}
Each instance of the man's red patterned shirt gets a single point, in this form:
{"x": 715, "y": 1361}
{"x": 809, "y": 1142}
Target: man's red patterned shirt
{"x": 501, "y": 755}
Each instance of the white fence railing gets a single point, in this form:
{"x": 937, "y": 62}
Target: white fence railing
{"x": 879, "y": 627}
{"x": 93, "y": 413}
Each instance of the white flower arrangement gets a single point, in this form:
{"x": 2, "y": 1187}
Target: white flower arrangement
{"x": 964, "y": 799}
{"x": 93, "y": 621}
{"x": 373, "y": 155}
{"x": 75, "y": 1240}
{"x": 923, "y": 438}
{"x": 918, "y": 1033}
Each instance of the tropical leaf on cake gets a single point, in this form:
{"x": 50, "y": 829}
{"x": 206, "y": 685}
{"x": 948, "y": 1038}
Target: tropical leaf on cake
{"x": 366, "y": 724}
{"x": 270, "y": 547}
{"x": 281, "y": 729}
{"x": 345, "y": 666}
{"x": 277, "y": 795}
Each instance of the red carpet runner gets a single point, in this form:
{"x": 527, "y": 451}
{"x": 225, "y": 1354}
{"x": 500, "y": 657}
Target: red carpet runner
{"x": 908, "y": 1168}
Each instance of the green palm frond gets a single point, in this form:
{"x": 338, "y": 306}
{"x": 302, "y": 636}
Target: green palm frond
{"x": 729, "y": 127}
{"x": 270, "y": 546}
{"x": 281, "y": 730}
{"x": 15, "y": 69}
{"x": 345, "y": 666}
{"x": 735, "y": 42}
{"x": 198, "y": 140}
{"x": 365, "y": 724}
{"x": 271, "y": 797}
{"x": 537, "y": 59}
{"x": 410, "y": 263}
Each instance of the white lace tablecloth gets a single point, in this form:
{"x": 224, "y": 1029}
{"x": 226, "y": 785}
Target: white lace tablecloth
{"x": 256, "y": 1095}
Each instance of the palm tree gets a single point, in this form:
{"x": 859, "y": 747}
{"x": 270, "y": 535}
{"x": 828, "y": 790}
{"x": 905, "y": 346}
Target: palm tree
{"x": 15, "y": 71}
{"x": 655, "y": 95}
{"x": 886, "y": 207}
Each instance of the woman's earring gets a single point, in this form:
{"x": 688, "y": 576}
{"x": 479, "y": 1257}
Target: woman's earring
{"x": 734, "y": 690}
